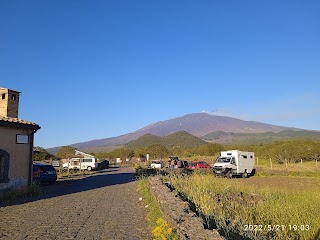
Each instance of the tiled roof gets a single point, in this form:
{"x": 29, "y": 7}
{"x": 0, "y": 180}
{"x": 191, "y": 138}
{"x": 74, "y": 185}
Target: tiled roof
{"x": 18, "y": 121}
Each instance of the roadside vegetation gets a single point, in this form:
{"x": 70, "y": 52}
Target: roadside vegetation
{"x": 160, "y": 228}
{"x": 30, "y": 191}
{"x": 254, "y": 212}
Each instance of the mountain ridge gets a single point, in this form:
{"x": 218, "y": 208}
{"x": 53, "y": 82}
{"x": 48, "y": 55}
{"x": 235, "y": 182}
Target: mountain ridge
{"x": 197, "y": 124}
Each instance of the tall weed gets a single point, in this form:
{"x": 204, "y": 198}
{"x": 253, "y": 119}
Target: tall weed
{"x": 253, "y": 212}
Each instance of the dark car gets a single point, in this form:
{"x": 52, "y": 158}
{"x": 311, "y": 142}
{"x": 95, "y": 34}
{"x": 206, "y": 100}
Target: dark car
{"x": 198, "y": 164}
{"x": 44, "y": 173}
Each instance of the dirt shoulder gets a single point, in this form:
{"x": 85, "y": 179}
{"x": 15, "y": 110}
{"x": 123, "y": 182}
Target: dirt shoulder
{"x": 179, "y": 214}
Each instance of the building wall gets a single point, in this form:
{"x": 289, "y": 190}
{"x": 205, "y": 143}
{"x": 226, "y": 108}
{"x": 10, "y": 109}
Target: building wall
{"x": 9, "y": 106}
{"x": 19, "y": 168}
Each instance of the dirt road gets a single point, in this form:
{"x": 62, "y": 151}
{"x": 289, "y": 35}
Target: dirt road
{"x": 101, "y": 206}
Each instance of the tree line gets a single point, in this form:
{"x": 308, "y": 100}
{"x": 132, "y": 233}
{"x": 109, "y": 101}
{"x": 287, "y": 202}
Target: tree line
{"x": 280, "y": 151}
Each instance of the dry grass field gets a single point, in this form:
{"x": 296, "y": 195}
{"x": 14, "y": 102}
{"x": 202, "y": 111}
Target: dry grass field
{"x": 292, "y": 183}
{"x": 281, "y": 202}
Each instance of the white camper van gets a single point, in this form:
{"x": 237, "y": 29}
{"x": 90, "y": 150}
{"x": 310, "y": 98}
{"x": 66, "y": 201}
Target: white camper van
{"x": 81, "y": 163}
{"x": 234, "y": 162}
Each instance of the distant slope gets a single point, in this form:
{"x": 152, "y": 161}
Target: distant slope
{"x": 197, "y": 124}
{"x": 178, "y": 139}
{"x": 145, "y": 141}
{"x": 182, "y": 139}
{"x": 252, "y": 138}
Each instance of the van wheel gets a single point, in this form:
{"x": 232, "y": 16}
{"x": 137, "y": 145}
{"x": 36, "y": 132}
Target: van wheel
{"x": 229, "y": 174}
{"x": 245, "y": 174}
{"x": 89, "y": 168}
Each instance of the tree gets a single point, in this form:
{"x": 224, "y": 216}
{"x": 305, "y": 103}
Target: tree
{"x": 209, "y": 149}
{"x": 40, "y": 154}
{"x": 122, "y": 153}
{"x": 157, "y": 151}
{"x": 66, "y": 152}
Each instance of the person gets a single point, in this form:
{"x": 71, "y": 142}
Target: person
{"x": 172, "y": 164}
{"x": 179, "y": 164}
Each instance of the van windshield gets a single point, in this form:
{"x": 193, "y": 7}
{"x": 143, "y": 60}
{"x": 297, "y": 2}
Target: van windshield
{"x": 223, "y": 159}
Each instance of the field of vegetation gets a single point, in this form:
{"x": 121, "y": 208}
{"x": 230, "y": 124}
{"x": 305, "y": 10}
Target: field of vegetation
{"x": 269, "y": 206}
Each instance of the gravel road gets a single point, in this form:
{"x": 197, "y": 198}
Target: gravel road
{"x": 101, "y": 206}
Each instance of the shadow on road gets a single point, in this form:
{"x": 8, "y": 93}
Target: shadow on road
{"x": 80, "y": 184}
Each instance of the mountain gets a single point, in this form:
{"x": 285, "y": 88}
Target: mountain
{"x": 178, "y": 139}
{"x": 197, "y": 124}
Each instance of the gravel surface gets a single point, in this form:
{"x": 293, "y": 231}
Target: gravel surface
{"x": 104, "y": 205}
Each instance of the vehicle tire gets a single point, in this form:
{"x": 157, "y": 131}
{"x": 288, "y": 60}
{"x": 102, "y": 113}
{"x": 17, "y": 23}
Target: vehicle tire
{"x": 89, "y": 168}
{"x": 38, "y": 182}
{"x": 245, "y": 174}
{"x": 229, "y": 174}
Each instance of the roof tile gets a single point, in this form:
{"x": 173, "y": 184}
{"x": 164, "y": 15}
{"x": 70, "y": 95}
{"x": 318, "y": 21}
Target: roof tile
{"x": 16, "y": 120}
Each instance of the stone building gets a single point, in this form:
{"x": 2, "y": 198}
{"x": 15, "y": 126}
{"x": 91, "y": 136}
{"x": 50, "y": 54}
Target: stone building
{"x": 16, "y": 143}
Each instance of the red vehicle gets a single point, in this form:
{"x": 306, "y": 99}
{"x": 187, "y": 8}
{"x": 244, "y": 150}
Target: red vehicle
{"x": 198, "y": 164}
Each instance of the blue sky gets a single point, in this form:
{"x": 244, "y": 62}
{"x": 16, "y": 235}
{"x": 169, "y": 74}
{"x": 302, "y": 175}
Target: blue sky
{"x": 96, "y": 69}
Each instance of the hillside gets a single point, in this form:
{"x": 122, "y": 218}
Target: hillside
{"x": 178, "y": 139}
{"x": 252, "y": 138}
{"x": 145, "y": 141}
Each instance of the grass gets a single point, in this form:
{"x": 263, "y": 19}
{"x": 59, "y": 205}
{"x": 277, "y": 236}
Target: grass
{"x": 248, "y": 211}
{"x": 161, "y": 229}
{"x": 32, "y": 190}
{"x": 265, "y": 167}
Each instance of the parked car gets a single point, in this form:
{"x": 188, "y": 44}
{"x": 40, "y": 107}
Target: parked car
{"x": 43, "y": 173}
{"x": 198, "y": 164}
{"x": 157, "y": 164}
{"x": 104, "y": 164}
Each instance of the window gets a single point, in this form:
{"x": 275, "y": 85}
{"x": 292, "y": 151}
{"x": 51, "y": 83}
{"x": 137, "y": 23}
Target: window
{"x": 244, "y": 156}
{"x": 13, "y": 97}
{"x": 87, "y": 160}
{"x": 4, "y": 166}
{"x": 3, "y": 96}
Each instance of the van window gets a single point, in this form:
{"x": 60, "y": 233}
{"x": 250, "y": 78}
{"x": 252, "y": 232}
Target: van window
{"x": 244, "y": 156}
{"x": 87, "y": 160}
